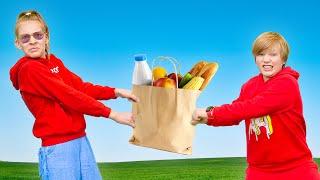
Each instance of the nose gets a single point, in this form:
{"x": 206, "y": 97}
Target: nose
{"x": 32, "y": 40}
{"x": 266, "y": 58}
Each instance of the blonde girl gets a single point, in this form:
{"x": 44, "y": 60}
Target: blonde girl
{"x": 58, "y": 99}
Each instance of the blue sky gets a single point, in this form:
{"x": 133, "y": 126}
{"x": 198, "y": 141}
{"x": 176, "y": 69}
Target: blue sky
{"x": 97, "y": 40}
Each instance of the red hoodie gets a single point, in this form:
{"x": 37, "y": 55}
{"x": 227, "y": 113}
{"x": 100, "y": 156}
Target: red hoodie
{"x": 57, "y": 98}
{"x": 275, "y": 126}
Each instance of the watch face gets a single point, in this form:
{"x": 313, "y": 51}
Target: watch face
{"x": 209, "y": 108}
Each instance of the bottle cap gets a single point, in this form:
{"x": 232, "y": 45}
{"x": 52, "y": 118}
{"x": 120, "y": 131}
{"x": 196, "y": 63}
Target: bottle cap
{"x": 140, "y": 57}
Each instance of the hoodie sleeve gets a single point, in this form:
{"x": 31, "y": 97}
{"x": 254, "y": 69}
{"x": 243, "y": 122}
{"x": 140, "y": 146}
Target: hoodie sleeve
{"x": 278, "y": 96}
{"x": 96, "y": 91}
{"x": 36, "y": 79}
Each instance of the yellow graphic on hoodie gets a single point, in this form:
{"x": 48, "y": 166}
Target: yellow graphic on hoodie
{"x": 257, "y": 123}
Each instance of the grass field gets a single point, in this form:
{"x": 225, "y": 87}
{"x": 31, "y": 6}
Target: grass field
{"x": 211, "y": 168}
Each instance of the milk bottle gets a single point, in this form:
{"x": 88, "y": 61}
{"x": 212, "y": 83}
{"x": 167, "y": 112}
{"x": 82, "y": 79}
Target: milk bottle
{"x": 142, "y": 74}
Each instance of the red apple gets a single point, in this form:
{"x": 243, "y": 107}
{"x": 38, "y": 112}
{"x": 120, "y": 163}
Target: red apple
{"x": 173, "y": 76}
{"x": 165, "y": 82}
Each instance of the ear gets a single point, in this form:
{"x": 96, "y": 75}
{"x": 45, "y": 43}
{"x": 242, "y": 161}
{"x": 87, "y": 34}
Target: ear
{"x": 283, "y": 65}
{"x": 47, "y": 41}
{"x": 47, "y": 46}
{"x": 17, "y": 44}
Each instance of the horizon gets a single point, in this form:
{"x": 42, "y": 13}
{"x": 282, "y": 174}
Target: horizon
{"x": 147, "y": 160}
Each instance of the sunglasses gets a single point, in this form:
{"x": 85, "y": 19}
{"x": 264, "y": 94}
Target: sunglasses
{"x": 24, "y": 38}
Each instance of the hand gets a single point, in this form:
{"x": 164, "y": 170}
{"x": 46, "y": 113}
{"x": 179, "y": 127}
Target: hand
{"x": 126, "y": 94}
{"x": 125, "y": 118}
{"x": 199, "y": 116}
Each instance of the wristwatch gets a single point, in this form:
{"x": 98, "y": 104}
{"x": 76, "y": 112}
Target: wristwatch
{"x": 209, "y": 108}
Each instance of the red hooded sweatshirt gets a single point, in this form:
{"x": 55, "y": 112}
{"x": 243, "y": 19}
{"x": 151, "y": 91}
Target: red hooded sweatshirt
{"x": 57, "y": 98}
{"x": 275, "y": 126}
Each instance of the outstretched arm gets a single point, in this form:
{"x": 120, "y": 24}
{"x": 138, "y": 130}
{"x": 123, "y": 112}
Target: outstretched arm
{"x": 278, "y": 96}
{"x": 36, "y": 79}
{"x": 98, "y": 92}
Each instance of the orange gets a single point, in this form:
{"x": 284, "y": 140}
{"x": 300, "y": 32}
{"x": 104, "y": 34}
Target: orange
{"x": 158, "y": 72}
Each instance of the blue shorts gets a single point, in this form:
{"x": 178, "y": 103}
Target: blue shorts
{"x": 70, "y": 160}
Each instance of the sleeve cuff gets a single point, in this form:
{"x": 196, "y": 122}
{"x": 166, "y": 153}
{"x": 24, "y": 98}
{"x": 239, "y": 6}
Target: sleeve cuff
{"x": 106, "y": 113}
{"x": 113, "y": 94}
{"x": 210, "y": 115}
{"x": 110, "y": 93}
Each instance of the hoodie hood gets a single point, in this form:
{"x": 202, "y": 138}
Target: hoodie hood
{"x": 14, "y": 71}
{"x": 289, "y": 71}
{"x": 285, "y": 71}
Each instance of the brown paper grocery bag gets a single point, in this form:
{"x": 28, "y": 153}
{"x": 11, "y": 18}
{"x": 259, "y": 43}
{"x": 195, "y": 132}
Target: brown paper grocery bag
{"x": 163, "y": 117}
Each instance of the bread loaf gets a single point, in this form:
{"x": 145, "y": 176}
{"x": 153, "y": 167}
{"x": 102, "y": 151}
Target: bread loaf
{"x": 207, "y": 72}
{"x": 197, "y": 68}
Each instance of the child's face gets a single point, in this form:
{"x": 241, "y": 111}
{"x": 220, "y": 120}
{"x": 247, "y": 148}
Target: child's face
{"x": 269, "y": 62}
{"x": 31, "y": 39}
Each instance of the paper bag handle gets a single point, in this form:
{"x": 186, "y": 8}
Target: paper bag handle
{"x": 172, "y": 60}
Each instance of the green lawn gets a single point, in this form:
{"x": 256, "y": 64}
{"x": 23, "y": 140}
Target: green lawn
{"x": 211, "y": 168}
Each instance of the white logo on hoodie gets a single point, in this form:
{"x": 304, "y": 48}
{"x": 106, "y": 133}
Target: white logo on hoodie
{"x": 55, "y": 70}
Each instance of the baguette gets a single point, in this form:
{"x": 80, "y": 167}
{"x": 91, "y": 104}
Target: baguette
{"x": 197, "y": 68}
{"x": 207, "y": 72}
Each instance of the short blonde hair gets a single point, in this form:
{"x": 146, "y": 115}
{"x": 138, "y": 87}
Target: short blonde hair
{"x": 266, "y": 40}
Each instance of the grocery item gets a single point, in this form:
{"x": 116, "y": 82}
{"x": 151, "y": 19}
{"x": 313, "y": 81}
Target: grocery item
{"x": 207, "y": 72}
{"x": 186, "y": 78}
{"x": 174, "y": 76}
{"x": 158, "y": 72}
{"x": 197, "y": 68}
{"x": 194, "y": 84}
{"x": 165, "y": 82}
{"x": 142, "y": 73}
